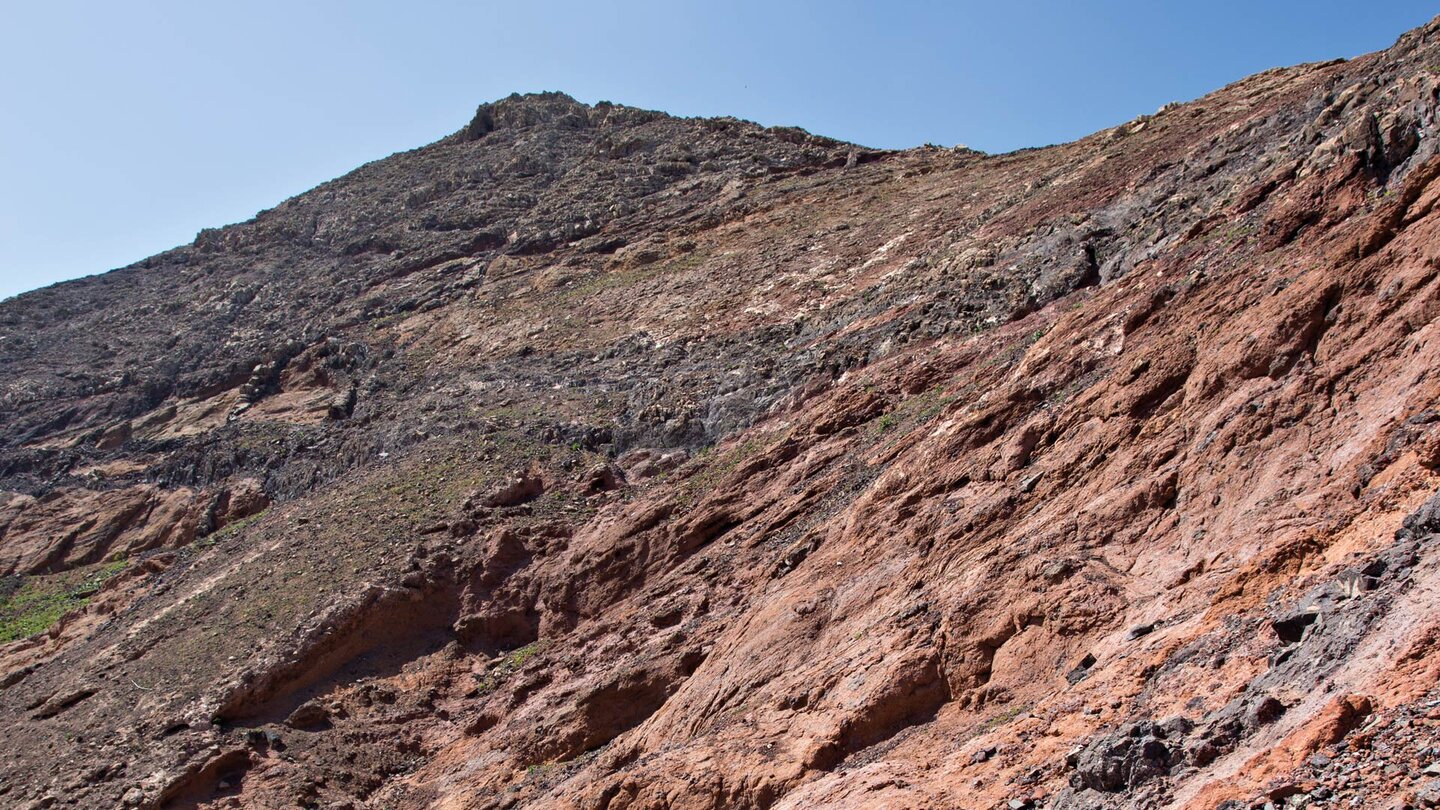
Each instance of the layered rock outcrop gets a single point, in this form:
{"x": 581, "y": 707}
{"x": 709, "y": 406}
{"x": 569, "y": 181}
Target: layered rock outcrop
{"x": 595, "y": 458}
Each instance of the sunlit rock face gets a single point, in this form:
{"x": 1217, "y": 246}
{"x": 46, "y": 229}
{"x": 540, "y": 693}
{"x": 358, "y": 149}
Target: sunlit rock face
{"x": 595, "y": 458}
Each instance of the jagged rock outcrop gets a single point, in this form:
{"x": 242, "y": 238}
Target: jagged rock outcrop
{"x": 594, "y": 458}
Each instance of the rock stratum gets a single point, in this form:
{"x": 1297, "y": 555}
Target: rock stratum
{"x": 594, "y": 458}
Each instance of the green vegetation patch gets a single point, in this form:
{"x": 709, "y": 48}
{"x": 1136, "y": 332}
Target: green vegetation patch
{"x": 1015, "y": 352}
{"x": 913, "y": 412}
{"x": 716, "y": 464}
{"x": 1003, "y": 718}
{"x": 512, "y": 661}
{"x": 33, "y": 604}
{"x": 229, "y": 530}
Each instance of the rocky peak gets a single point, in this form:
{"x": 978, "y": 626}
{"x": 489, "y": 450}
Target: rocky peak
{"x": 551, "y": 109}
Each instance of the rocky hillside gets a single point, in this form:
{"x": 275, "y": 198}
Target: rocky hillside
{"x": 593, "y": 458}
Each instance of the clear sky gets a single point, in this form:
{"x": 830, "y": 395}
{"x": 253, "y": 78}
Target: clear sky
{"x": 125, "y": 127}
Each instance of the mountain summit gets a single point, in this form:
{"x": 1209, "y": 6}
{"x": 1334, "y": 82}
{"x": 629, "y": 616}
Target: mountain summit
{"x": 594, "y": 458}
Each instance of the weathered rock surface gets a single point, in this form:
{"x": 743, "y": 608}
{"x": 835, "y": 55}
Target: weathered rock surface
{"x": 594, "y": 458}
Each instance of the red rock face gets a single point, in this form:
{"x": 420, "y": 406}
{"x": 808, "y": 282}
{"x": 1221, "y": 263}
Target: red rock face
{"x": 619, "y": 461}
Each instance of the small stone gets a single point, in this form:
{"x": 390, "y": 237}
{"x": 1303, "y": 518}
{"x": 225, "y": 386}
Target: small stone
{"x": 1429, "y": 795}
{"x": 1139, "y": 631}
{"x": 1285, "y": 791}
{"x": 1267, "y": 711}
{"x": 1204, "y": 753}
{"x": 1081, "y": 671}
{"x": 1292, "y": 627}
{"x": 1174, "y": 728}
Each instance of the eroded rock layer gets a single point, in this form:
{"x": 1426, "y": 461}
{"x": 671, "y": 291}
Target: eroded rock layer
{"x": 593, "y": 458}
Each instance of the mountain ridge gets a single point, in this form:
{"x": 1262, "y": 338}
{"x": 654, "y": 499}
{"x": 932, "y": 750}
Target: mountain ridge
{"x": 591, "y": 457}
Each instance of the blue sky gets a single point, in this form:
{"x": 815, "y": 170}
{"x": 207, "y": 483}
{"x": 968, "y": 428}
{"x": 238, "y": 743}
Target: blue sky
{"x": 127, "y": 127}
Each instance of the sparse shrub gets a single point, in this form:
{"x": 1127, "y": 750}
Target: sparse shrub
{"x": 32, "y": 605}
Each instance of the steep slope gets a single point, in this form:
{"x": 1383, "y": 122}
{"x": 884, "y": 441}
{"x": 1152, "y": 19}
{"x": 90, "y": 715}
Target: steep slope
{"x": 594, "y": 458}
